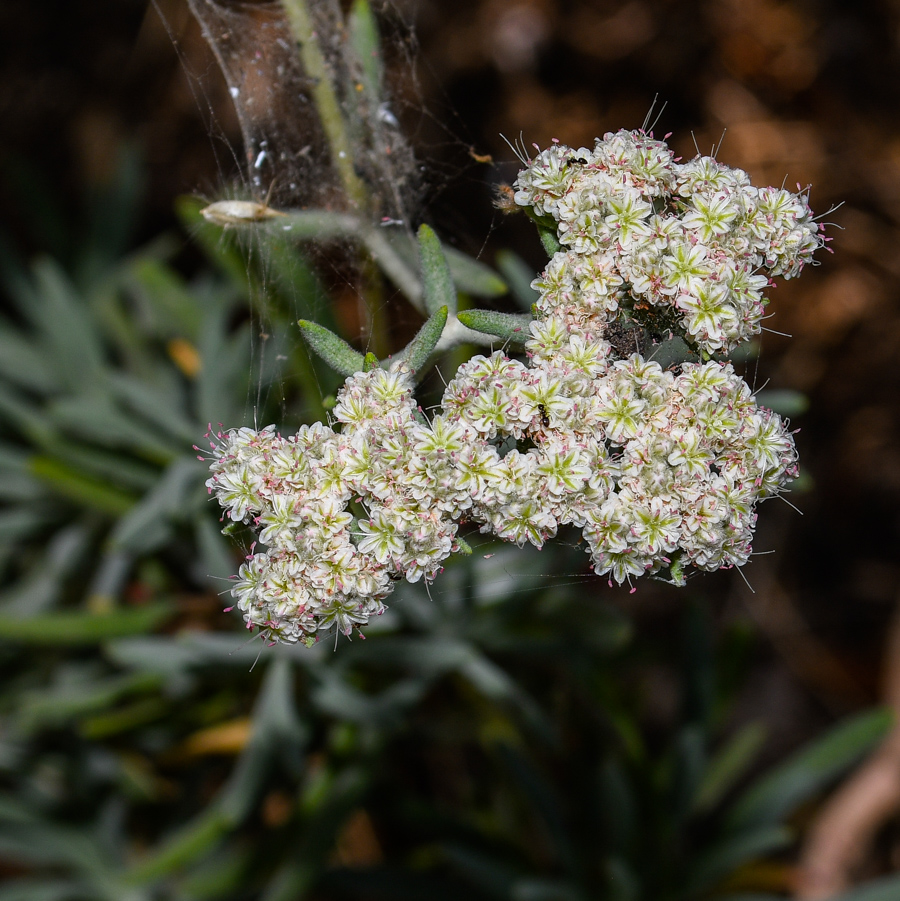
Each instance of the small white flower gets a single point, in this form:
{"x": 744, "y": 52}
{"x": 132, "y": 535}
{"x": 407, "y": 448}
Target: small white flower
{"x": 710, "y": 215}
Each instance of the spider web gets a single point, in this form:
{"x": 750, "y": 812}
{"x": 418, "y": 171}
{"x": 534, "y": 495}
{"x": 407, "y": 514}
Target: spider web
{"x": 286, "y": 149}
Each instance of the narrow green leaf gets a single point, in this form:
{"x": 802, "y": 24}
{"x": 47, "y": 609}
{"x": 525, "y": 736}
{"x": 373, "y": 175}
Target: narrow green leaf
{"x": 148, "y": 524}
{"x": 44, "y": 844}
{"x": 156, "y": 404}
{"x": 107, "y": 466}
{"x": 96, "y": 417}
{"x": 396, "y": 255}
{"x": 511, "y": 327}
{"x": 784, "y": 401}
{"x": 417, "y": 352}
{"x": 439, "y": 290}
{"x": 124, "y": 719}
{"x": 19, "y": 522}
{"x": 225, "y": 373}
{"x": 729, "y": 765}
{"x": 215, "y": 551}
{"x": 333, "y": 350}
{"x": 220, "y": 875}
{"x": 622, "y": 882}
{"x": 335, "y": 696}
{"x": 22, "y": 363}
{"x": 469, "y": 275}
{"x": 155, "y": 653}
{"x": 110, "y": 575}
{"x": 887, "y": 889}
{"x": 497, "y": 685}
{"x": 63, "y": 629}
{"x": 40, "y": 586}
{"x": 276, "y": 731}
{"x": 187, "y": 650}
{"x": 186, "y": 845}
{"x": 77, "y": 695}
{"x": 549, "y": 239}
{"x": 74, "y": 347}
{"x": 43, "y": 890}
{"x": 293, "y": 879}
{"x": 79, "y": 488}
{"x": 774, "y": 796}
{"x": 22, "y": 415}
{"x": 519, "y": 275}
{"x": 688, "y": 764}
{"x": 727, "y": 855}
{"x": 174, "y": 309}
{"x": 472, "y": 276}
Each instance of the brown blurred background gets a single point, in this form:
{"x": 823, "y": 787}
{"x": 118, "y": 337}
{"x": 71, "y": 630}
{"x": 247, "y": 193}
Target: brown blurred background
{"x": 805, "y": 91}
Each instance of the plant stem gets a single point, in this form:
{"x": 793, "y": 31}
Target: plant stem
{"x": 316, "y": 67}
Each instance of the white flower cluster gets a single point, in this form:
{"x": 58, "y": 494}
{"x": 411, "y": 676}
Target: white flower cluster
{"x": 695, "y": 240}
{"x": 658, "y": 469}
{"x": 652, "y": 466}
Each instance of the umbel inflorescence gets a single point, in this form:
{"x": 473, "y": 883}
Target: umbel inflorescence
{"x": 658, "y": 468}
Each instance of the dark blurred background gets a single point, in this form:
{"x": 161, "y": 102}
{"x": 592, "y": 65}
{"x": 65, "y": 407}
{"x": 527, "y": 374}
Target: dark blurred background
{"x": 800, "y": 91}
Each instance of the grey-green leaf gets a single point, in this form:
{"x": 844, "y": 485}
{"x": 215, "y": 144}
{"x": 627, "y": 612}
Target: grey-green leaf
{"x": 729, "y": 765}
{"x": 549, "y": 239}
{"x": 725, "y": 856}
{"x": 784, "y": 401}
{"x": 808, "y": 771}
{"x": 439, "y": 289}
{"x": 77, "y": 628}
{"x": 339, "y": 355}
{"x": 276, "y": 728}
{"x": 512, "y": 327}
{"x": 519, "y": 275}
{"x": 473, "y": 277}
{"x": 421, "y": 347}
{"x": 887, "y": 889}
{"x": 42, "y": 890}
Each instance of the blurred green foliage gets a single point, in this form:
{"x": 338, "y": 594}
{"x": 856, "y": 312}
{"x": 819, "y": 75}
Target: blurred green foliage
{"x": 493, "y": 738}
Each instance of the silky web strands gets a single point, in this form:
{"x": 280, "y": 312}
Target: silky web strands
{"x": 660, "y": 468}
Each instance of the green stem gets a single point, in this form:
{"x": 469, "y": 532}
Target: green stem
{"x": 303, "y": 30}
